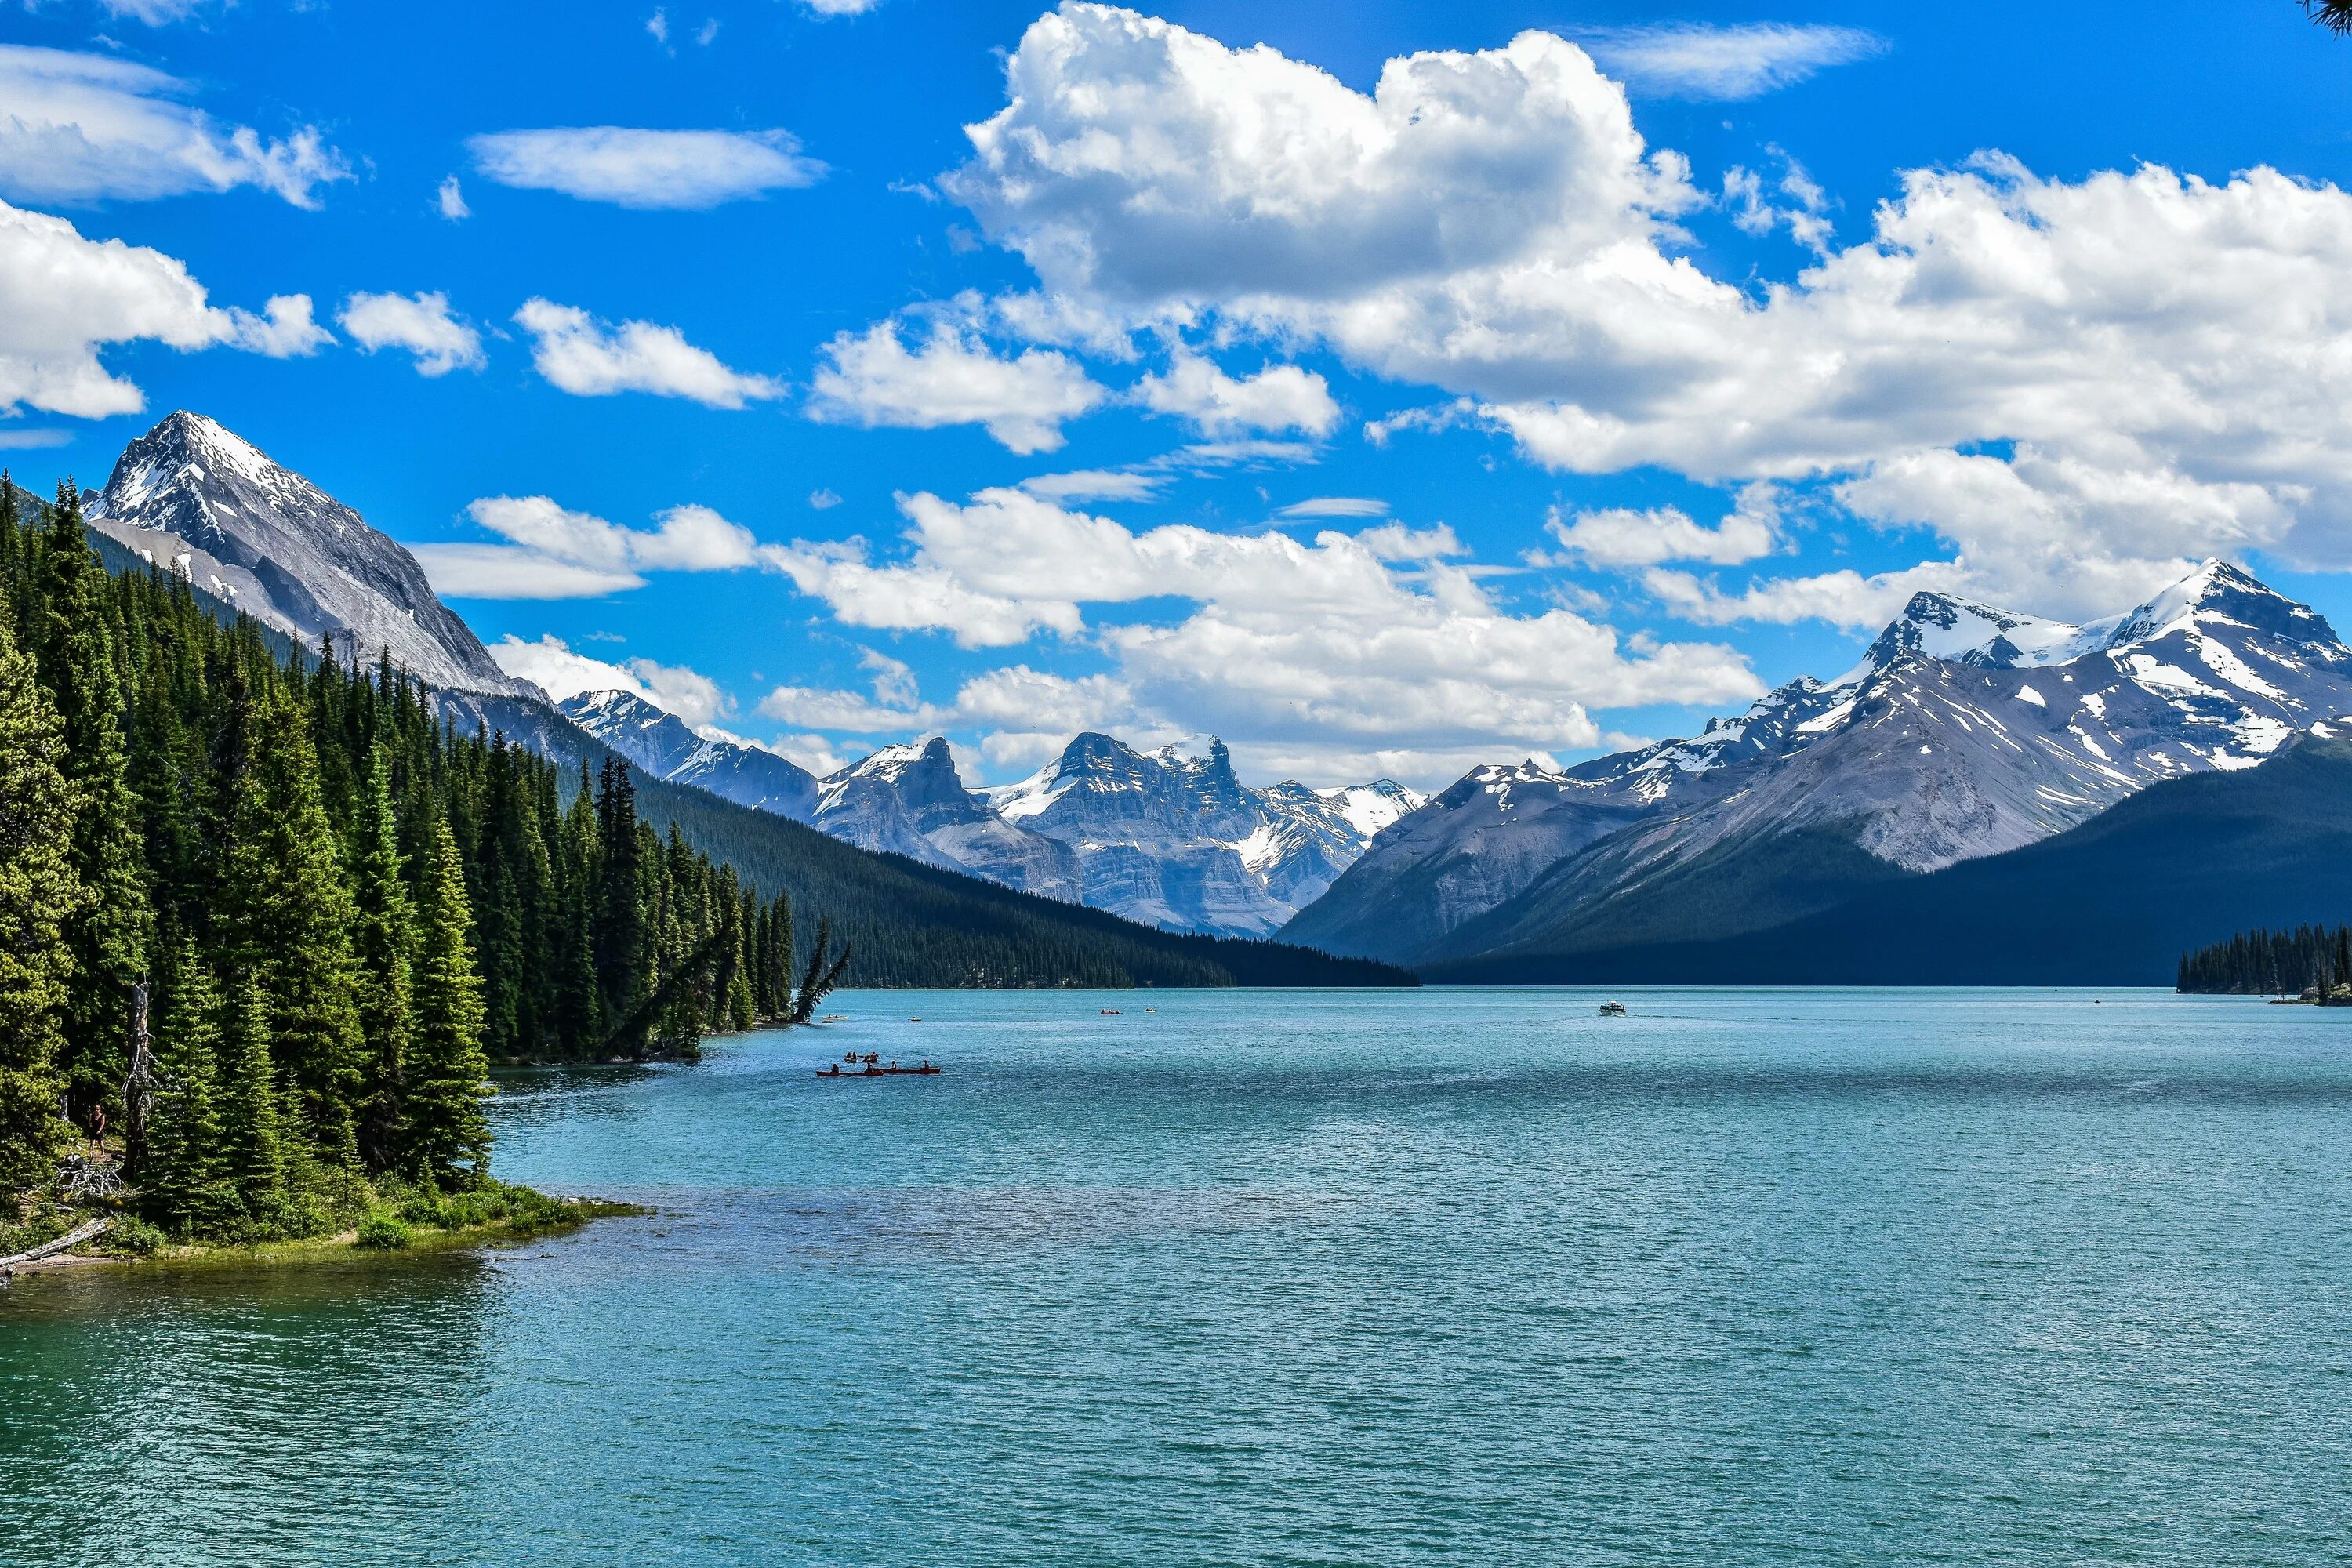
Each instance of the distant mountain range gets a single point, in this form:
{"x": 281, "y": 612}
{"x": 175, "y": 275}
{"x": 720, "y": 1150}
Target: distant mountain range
{"x": 1974, "y": 754}
{"x": 2114, "y": 901}
{"x": 1965, "y": 732}
{"x": 1161, "y": 838}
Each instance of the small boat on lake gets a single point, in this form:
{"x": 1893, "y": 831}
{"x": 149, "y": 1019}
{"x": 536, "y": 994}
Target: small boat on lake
{"x": 870, "y": 1066}
{"x": 1612, "y": 1009}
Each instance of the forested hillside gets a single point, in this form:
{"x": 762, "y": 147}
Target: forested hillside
{"x": 270, "y": 919}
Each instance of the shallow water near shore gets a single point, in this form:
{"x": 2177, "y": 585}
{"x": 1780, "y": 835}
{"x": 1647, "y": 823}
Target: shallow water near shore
{"x": 1748, "y": 1276}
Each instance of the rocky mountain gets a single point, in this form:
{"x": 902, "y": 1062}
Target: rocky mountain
{"x": 2114, "y": 901}
{"x": 1965, "y": 732}
{"x": 1162, "y": 838}
{"x": 659, "y": 743}
{"x": 910, "y": 801}
{"x": 1176, "y": 839}
{"x": 191, "y": 498}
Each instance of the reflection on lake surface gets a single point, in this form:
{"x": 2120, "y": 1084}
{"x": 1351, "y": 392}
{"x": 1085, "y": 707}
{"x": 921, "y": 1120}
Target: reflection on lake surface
{"x": 1746, "y": 1277}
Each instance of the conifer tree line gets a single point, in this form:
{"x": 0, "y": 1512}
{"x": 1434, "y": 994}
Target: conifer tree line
{"x": 2259, "y": 962}
{"x": 265, "y": 917}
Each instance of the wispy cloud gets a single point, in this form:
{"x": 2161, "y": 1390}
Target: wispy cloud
{"x": 650, "y": 169}
{"x": 1694, "y": 59}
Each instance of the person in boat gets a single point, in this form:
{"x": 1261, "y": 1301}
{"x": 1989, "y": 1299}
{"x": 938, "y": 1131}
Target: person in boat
{"x": 872, "y": 1057}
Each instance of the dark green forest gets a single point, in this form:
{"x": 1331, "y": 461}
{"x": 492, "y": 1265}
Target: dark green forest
{"x": 2316, "y": 959}
{"x": 270, "y": 920}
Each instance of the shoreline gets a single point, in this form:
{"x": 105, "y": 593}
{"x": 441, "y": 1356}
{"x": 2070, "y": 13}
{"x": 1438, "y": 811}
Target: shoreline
{"x": 342, "y": 1245}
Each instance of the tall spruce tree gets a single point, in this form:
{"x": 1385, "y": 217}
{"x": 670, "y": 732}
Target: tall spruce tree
{"x": 386, "y": 939}
{"x": 289, "y": 918}
{"x": 186, "y": 1180}
{"x": 254, "y": 1157}
{"x": 38, "y": 892}
{"x": 448, "y": 1136}
{"x": 108, "y": 931}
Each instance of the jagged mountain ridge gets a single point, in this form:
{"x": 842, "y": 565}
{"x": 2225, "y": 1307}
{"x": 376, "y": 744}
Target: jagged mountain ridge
{"x": 1161, "y": 838}
{"x": 191, "y": 498}
{"x": 1178, "y": 841}
{"x": 1964, "y": 732}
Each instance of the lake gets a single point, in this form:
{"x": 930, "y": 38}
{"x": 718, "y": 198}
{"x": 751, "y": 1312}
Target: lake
{"x": 1448, "y": 1277}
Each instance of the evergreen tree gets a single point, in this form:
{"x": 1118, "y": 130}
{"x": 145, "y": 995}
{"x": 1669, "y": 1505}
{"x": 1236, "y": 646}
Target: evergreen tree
{"x": 186, "y": 1176}
{"x": 107, "y": 934}
{"x": 253, "y": 1149}
{"x": 446, "y": 1124}
{"x": 290, "y": 920}
{"x": 38, "y": 891}
{"x": 387, "y": 942}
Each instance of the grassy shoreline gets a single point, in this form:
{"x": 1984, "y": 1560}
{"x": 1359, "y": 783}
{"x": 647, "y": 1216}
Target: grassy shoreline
{"x": 380, "y": 1234}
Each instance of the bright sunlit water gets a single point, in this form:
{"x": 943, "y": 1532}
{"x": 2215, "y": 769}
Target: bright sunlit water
{"x": 1445, "y": 1278}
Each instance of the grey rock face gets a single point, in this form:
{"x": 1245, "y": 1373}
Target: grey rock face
{"x": 910, "y": 801}
{"x": 191, "y": 497}
{"x": 1965, "y": 732}
{"x": 661, "y": 744}
{"x": 1179, "y": 841}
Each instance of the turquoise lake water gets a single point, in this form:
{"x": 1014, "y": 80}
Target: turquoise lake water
{"x": 1440, "y": 1278}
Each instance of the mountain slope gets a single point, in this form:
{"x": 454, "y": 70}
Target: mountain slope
{"x": 1965, "y": 732}
{"x": 2114, "y": 901}
{"x": 191, "y": 497}
{"x": 1161, "y": 837}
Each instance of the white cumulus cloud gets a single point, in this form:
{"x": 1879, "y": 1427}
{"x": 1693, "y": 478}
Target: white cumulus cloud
{"x": 951, "y": 377}
{"x": 553, "y": 553}
{"x": 1621, "y": 536}
{"x": 1349, "y": 645}
{"x": 654, "y": 169}
{"x": 63, "y": 298}
{"x": 1278, "y": 398}
{"x": 590, "y": 358}
{"x": 563, "y": 673}
{"x": 86, "y": 128}
{"x": 1494, "y": 224}
{"x": 420, "y": 323}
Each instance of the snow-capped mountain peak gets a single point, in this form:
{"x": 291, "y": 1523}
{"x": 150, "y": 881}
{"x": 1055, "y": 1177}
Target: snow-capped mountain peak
{"x": 196, "y": 498}
{"x": 1962, "y": 631}
{"x": 1966, "y": 730}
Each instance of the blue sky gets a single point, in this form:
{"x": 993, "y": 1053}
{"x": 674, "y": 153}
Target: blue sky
{"x": 1651, "y": 296}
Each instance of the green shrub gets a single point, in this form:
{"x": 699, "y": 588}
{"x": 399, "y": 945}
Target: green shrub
{"x": 132, "y": 1237}
{"x": 382, "y": 1233}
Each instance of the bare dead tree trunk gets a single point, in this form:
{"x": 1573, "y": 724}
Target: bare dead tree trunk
{"x": 139, "y": 1086}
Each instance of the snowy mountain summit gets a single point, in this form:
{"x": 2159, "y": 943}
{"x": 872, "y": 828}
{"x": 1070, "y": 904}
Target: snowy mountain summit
{"x": 193, "y": 499}
{"x": 1965, "y": 731}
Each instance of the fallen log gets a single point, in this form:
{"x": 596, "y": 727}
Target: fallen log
{"x": 71, "y": 1238}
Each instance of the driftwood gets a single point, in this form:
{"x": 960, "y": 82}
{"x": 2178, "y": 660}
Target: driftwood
{"x": 71, "y": 1238}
